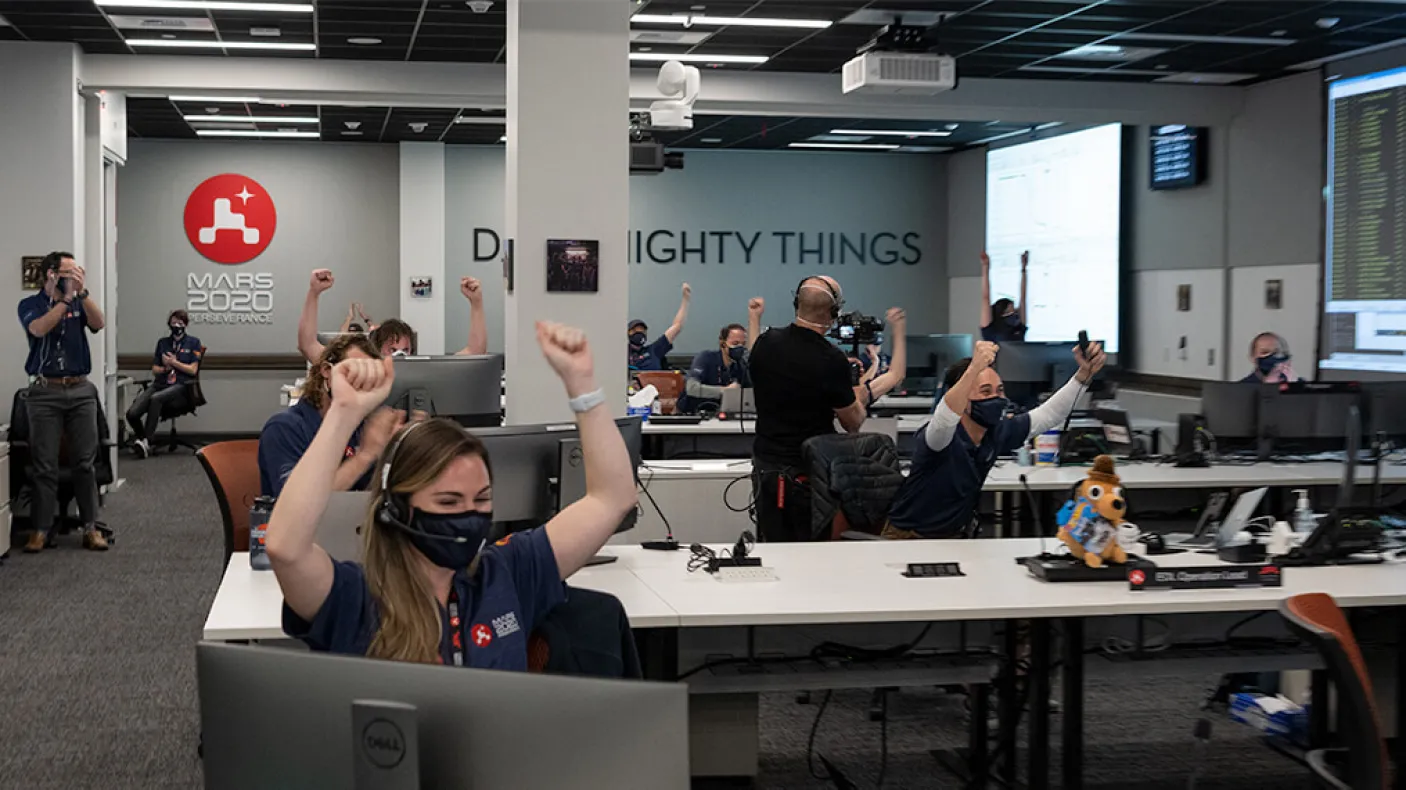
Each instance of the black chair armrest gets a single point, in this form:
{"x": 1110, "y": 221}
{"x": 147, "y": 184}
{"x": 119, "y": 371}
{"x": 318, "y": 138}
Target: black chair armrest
{"x": 1317, "y": 760}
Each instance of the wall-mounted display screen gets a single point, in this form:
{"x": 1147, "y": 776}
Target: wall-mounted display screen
{"x": 1178, "y": 156}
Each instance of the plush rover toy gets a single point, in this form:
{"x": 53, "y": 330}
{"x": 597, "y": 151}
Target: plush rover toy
{"x": 1089, "y": 520}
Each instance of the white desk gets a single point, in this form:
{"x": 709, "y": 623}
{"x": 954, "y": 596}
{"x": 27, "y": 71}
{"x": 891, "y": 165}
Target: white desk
{"x": 906, "y": 403}
{"x": 249, "y": 603}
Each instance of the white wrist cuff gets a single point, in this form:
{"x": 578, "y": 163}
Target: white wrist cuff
{"x": 584, "y": 403}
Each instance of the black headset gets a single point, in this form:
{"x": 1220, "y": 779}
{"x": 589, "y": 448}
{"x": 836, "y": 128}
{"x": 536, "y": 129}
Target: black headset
{"x": 394, "y": 509}
{"x": 837, "y": 301}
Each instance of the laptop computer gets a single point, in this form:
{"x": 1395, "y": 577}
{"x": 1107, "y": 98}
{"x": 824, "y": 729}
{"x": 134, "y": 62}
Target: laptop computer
{"x": 1239, "y": 516}
{"x": 738, "y": 400}
{"x": 1117, "y": 431}
{"x": 339, "y": 529}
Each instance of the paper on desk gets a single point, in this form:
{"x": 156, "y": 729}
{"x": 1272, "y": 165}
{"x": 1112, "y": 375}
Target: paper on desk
{"x": 644, "y": 397}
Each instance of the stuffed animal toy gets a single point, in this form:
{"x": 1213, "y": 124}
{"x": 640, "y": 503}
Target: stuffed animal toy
{"x": 1089, "y": 520}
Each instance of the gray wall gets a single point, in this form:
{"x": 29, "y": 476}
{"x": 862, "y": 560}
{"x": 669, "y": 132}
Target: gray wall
{"x": 747, "y": 192}
{"x": 337, "y": 208}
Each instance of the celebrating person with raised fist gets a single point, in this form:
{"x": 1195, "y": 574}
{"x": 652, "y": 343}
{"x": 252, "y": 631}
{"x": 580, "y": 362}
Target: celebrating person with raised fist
{"x": 432, "y": 589}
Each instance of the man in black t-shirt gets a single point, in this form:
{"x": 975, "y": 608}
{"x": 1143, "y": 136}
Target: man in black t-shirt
{"x": 802, "y": 385}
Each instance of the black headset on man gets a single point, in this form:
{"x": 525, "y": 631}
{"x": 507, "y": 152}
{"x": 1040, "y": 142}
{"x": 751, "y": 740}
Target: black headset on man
{"x": 837, "y": 298}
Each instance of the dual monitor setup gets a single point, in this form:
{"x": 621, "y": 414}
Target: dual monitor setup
{"x": 1272, "y": 420}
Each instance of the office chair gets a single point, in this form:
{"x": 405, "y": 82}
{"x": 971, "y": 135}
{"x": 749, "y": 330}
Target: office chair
{"x": 22, "y": 491}
{"x": 233, "y": 469}
{"x": 1316, "y": 618}
{"x": 670, "y": 386}
{"x": 194, "y": 399}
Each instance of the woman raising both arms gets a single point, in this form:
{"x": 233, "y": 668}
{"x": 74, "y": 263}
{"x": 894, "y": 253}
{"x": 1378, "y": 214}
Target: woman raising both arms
{"x": 430, "y": 589}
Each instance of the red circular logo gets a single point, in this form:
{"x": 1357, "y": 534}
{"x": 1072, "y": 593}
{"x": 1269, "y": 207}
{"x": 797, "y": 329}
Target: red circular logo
{"x": 481, "y": 635}
{"x": 1136, "y": 577}
{"x": 230, "y": 218}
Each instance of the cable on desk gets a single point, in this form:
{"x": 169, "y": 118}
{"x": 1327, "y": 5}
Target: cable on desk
{"x": 644, "y": 487}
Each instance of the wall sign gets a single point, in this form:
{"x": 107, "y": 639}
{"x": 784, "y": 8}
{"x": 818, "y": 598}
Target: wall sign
{"x": 230, "y": 298}
{"x": 664, "y": 247}
{"x": 230, "y": 218}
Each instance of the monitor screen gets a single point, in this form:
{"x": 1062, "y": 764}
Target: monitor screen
{"x": 1178, "y": 156}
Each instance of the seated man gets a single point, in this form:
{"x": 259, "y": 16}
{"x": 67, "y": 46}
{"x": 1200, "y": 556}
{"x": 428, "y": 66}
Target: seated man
{"x": 287, "y": 434}
{"x": 644, "y": 355}
{"x": 176, "y": 362}
{"x": 717, "y": 369}
{"x": 392, "y": 336}
{"x": 1270, "y": 355}
{"x": 961, "y": 442}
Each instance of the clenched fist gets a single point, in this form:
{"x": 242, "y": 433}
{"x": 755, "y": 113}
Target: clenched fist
{"x": 321, "y": 280}
{"x": 984, "y": 354}
{"x": 569, "y": 355}
{"x": 472, "y": 290}
{"x": 360, "y": 385}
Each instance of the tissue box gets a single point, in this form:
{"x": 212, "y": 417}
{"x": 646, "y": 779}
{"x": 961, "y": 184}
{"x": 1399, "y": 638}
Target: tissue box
{"x": 1271, "y": 715}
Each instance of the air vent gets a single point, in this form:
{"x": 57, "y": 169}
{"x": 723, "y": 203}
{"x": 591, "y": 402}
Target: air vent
{"x": 688, "y": 38}
{"x": 162, "y": 23}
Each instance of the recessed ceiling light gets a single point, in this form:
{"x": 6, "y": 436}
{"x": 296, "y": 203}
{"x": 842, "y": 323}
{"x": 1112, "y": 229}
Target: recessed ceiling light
{"x": 951, "y": 126}
{"x": 697, "y": 8}
{"x": 250, "y": 118}
{"x": 695, "y": 57}
{"x": 1110, "y": 52}
{"x": 188, "y": 44}
{"x": 210, "y": 5}
{"x": 862, "y": 146}
{"x": 418, "y": 127}
{"x": 265, "y": 32}
{"x": 255, "y": 133}
{"x": 711, "y": 140}
{"x": 1207, "y": 77}
{"x": 168, "y": 35}
{"x": 220, "y": 99}
{"x": 1279, "y": 32}
{"x": 646, "y": 49}
{"x": 1327, "y": 22}
{"x": 688, "y": 20}
{"x": 353, "y": 125}
{"x": 364, "y": 41}
{"x": 890, "y": 133}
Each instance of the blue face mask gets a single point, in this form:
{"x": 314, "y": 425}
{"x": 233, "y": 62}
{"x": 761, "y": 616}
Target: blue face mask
{"x": 736, "y": 353}
{"x": 1267, "y": 364}
{"x": 988, "y": 411}
{"x": 1012, "y": 320}
{"x": 450, "y": 540}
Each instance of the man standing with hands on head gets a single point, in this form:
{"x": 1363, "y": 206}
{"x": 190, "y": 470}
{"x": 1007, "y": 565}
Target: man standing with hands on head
{"x": 61, "y": 401}
{"x": 803, "y": 386}
{"x": 959, "y": 445}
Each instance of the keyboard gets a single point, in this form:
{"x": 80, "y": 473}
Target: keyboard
{"x": 675, "y": 419}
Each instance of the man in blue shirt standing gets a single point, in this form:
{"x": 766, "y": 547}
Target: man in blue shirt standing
{"x": 959, "y": 445}
{"x": 645, "y": 355}
{"x": 174, "y": 364}
{"x": 61, "y": 402}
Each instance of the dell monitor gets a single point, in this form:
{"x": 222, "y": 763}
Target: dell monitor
{"x": 273, "y": 717}
{"x": 571, "y": 463}
{"x": 467, "y": 389}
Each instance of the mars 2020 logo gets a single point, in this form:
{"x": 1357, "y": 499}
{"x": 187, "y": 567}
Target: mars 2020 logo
{"x": 230, "y": 219}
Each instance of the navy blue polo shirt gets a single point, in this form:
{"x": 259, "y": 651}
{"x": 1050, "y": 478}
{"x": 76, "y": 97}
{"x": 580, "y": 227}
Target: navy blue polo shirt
{"x": 516, "y": 584}
{"x": 941, "y": 491}
{"x": 651, "y": 355}
{"x": 284, "y": 439}
{"x": 1000, "y": 332}
{"x": 62, "y": 352}
{"x": 187, "y": 351}
{"x": 708, "y": 368}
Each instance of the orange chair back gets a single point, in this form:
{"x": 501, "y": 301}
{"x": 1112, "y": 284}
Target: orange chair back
{"x": 668, "y": 382}
{"x": 233, "y": 469}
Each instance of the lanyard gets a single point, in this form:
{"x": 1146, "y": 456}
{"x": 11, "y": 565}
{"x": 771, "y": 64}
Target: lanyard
{"x": 456, "y": 633}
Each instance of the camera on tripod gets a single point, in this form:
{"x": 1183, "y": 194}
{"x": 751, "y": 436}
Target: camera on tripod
{"x": 857, "y": 329}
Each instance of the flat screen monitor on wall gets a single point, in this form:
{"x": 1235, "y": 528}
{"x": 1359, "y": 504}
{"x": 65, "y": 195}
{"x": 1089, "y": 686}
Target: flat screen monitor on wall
{"x": 1364, "y": 276}
{"x": 1059, "y": 198}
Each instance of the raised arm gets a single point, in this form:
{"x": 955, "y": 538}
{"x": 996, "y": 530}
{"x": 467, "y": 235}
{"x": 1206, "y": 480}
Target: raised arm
{"x": 755, "y": 307}
{"x": 307, "y": 322}
{"x": 954, "y": 401}
{"x": 1024, "y": 262}
{"x": 92, "y": 313}
{"x": 1052, "y": 412}
{"x": 874, "y": 364}
{"x": 585, "y": 525}
{"x": 472, "y": 290}
{"x": 303, "y": 569}
{"x": 884, "y": 383}
{"x": 681, "y": 316}
{"x": 347, "y": 322}
{"x": 985, "y": 290}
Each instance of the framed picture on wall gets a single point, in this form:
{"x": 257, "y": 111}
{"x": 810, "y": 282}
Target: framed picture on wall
{"x": 1273, "y": 294}
{"x": 573, "y": 265}
{"x": 1184, "y": 298}
{"x": 421, "y": 287}
{"x": 32, "y": 272}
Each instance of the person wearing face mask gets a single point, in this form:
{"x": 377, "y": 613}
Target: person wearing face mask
{"x": 1002, "y": 321}
{"x": 717, "y": 369}
{"x": 1270, "y": 355}
{"x": 288, "y": 434}
{"x": 961, "y": 442}
{"x": 803, "y": 385}
{"x": 392, "y": 337}
{"x": 645, "y": 355}
{"x": 431, "y": 588}
{"x": 176, "y": 361}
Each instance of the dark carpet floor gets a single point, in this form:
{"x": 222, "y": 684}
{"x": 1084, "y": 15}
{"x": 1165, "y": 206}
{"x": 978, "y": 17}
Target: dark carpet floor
{"x": 97, "y": 680}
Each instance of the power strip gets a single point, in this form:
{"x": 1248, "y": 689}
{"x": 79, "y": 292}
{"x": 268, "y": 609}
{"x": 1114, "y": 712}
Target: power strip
{"x": 753, "y": 573}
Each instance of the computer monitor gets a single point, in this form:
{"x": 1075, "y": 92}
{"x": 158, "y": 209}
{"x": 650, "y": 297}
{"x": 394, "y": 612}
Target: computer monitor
{"x": 467, "y": 389}
{"x": 1231, "y": 410}
{"x": 1032, "y": 363}
{"x": 929, "y": 356}
{"x": 1307, "y": 418}
{"x": 526, "y": 460}
{"x": 1384, "y": 412}
{"x": 571, "y": 463}
{"x": 273, "y": 717}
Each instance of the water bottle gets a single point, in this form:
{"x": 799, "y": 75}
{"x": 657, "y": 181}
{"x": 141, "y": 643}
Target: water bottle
{"x": 258, "y": 529}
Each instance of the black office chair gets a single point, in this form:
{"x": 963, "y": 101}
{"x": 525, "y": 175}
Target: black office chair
{"x": 194, "y": 399}
{"x": 1362, "y": 764}
{"x": 22, "y": 491}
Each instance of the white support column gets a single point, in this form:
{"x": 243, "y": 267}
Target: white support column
{"x": 422, "y": 243}
{"x": 567, "y": 178}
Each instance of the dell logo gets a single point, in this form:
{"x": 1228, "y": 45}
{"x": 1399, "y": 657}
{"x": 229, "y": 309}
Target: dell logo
{"x": 383, "y": 744}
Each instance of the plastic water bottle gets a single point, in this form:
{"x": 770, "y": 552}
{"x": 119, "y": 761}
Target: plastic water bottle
{"x": 258, "y": 529}
{"x": 1304, "y": 520}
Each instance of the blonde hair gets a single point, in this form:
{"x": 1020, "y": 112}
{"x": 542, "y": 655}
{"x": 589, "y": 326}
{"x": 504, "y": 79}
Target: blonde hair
{"x": 410, "y": 626}
{"x": 314, "y": 389}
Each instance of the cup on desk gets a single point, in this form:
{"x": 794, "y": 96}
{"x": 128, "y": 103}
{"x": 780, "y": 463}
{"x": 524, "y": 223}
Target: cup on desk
{"x": 1024, "y": 457}
{"x": 1047, "y": 448}
{"x": 1128, "y": 536}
